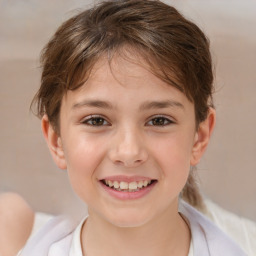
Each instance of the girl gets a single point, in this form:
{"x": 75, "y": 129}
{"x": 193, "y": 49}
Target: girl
{"x": 126, "y": 108}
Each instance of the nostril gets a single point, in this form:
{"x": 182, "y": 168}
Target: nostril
{"x": 128, "y": 158}
{"x": 129, "y": 163}
{"x": 133, "y": 163}
{"x": 118, "y": 162}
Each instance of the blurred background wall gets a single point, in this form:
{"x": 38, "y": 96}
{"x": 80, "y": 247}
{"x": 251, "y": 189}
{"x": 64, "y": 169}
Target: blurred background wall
{"x": 228, "y": 170}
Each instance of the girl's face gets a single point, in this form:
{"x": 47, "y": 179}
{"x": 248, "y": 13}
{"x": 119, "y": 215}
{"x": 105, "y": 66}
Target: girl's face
{"x": 127, "y": 140}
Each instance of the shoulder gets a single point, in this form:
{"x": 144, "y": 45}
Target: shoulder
{"x": 57, "y": 230}
{"x": 242, "y": 230}
{"x": 207, "y": 238}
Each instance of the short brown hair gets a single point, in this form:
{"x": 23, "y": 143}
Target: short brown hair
{"x": 170, "y": 43}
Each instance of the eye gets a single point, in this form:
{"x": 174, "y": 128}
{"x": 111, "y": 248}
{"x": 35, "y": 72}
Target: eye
{"x": 159, "y": 121}
{"x": 95, "y": 121}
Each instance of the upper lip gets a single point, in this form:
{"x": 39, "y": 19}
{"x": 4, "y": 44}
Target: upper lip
{"x": 127, "y": 178}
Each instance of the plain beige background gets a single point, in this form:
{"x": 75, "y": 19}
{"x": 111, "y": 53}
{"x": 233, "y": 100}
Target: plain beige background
{"x": 228, "y": 170}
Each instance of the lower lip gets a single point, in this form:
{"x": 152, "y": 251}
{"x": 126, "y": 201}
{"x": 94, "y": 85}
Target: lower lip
{"x": 128, "y": 195}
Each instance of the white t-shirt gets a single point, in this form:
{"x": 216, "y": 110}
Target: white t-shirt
{"x": 61, "y": 236}
{"x": 76, "y": 248}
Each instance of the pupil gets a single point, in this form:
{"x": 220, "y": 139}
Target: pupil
{"x": 97, "y": 121}
{"x": 158, "y": 121}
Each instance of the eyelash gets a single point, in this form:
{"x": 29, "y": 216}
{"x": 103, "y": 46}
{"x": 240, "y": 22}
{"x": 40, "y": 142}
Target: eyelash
{"x": 92, "y": 121}
{"x": 95, "y": 118}
{"x": 164, "y": 121}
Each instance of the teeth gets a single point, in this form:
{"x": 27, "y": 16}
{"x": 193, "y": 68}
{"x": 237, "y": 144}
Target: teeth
{"x": 116, "y": 184}
{"x": 125, "y": 186}
{"x": 145, "y": 183}
{"x": 140, "y": 184}
{"x": 133, "y": 185}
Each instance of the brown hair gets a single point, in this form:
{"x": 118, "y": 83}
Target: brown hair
{"x": 172, "y": 45}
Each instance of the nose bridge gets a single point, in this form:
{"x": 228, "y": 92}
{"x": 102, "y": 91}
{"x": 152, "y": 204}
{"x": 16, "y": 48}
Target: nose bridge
{"x": 128, "y": 147}
{"x": 129, "y": 142}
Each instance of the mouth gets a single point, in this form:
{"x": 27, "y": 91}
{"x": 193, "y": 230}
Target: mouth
{"x": 123, "y": 186}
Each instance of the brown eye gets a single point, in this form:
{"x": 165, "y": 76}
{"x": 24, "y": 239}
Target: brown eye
{"x": 95, "y": 121}
{"x": 159, "y": 121}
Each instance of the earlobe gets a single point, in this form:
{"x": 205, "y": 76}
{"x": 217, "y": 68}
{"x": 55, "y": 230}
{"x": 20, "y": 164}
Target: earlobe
{"x": 202, "y": 137}
{"x": 54, "y": 143}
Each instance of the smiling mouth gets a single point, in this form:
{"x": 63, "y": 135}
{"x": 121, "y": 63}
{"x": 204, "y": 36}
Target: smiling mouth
{"x": 124, "y": 186}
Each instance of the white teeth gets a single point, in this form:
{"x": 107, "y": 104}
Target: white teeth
{"x": 125, "y": 186}
{"x": 140, "y": 184}
{"x": 133, "y": 185}
{"x": 145, "y": 183}
{"x": 116, "y": 184}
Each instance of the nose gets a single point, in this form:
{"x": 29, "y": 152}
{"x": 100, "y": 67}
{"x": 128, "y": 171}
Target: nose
{"x": 128, "y": 149}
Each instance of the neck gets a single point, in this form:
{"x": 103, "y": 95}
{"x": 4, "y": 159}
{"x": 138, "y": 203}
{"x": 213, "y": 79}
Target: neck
{"x": 167, "y": 234}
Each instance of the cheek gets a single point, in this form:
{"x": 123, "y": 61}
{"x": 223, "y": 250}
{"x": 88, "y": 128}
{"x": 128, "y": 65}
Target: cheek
{"x": 173, "y": 155}
{"x": 83, "y": 157}
{"x": 83, "y": 151}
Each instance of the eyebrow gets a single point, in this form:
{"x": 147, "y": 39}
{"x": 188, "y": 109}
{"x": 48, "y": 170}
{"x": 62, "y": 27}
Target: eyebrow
{"x": 161, "y": 104}
{"x": 144, "y": 106}
{"x": 93, "y": 103}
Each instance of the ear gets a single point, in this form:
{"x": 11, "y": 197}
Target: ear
{"x": 202, "y": 137}
{"x": 54, "y": 143}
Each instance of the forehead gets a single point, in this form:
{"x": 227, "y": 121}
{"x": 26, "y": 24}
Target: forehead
{"x": 121, "y": 61}
{"x": 123, "y": 80}
{"x": 127, "y": 63}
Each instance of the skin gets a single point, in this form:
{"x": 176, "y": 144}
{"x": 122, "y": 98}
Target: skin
{"x": 134, "y": 137}
{"x": 16, "y": 222}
